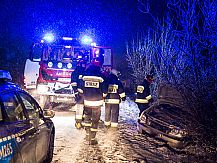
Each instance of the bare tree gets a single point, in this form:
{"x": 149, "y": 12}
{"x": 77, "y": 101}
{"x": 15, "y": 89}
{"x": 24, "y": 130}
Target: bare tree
{"x": 139, "y": 53}
{"x": 183, "y": 54}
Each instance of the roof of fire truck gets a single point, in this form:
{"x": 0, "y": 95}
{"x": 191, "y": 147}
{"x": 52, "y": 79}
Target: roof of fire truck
{"x": 70, "y": 41}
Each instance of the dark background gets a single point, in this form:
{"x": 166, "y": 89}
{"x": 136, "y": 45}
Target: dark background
{"x": 109, "y": 22}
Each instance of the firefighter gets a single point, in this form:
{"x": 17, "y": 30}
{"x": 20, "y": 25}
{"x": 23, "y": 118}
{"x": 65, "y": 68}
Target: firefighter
{"x": 75, "y": 82}
{"x": 113, "y": 92}
{"x": 143, "y": 95}
{"x": 93, "y": 99}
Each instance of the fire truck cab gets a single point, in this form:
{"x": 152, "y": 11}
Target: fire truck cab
{"x": 50, "y": 65}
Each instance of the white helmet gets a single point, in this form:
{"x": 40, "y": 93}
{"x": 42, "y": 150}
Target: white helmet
{"x": 115, "y": 72}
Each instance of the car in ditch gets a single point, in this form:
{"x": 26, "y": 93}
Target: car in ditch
{"x": 164, "y": 119}
{"x": 26, "y": 131}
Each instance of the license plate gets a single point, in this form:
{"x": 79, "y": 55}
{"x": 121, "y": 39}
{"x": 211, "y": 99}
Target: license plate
{"x": 62, "y": 99}
{"x": 64, "y": 79}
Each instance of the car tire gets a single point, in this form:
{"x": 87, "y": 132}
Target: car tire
{"x": 49, "y": 156}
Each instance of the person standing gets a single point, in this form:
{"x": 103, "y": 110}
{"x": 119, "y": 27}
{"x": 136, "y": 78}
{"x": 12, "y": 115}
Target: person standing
{"x": 143, "y": 95}
{"x": 91, "y": 86}
{"x": 75, "y": 82}
{"x": 113, "y": 93}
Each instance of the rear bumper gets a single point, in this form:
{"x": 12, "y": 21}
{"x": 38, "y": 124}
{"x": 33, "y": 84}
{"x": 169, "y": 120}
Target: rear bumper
{"x": 60, "y": 98}
{"x": 172, "y": 141}
{"x": 63, "y": 99}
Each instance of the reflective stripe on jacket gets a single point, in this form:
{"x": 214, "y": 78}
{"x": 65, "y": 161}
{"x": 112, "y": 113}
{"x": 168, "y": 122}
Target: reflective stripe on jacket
{"x": 92, "y": 82}
{"x": 113, "y": 90}
{"x": 143, "y": 93}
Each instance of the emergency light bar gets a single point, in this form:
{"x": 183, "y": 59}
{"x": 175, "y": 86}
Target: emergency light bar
{"x": 5, "y": 75}
{"x": 67, "y": 38}
{"x": 68, "y": 47}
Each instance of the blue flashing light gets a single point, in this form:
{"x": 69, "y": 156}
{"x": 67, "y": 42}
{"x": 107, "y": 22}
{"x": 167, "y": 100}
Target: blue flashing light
{"x": 5, "y": 75}
{"x": 86, "y": 40}
{"x": 49, "y": 37}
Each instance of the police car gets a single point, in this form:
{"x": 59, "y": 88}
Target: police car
{"x": 26, "y": 131}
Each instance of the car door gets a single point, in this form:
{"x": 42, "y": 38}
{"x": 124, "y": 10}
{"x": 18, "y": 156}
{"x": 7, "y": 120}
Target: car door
{"x": 20, "y": 128}
{"x": 43, "y": 131}
{"x": 8, "y": 148}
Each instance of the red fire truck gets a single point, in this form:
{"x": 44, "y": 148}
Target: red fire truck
{"x": 51, "y": 62}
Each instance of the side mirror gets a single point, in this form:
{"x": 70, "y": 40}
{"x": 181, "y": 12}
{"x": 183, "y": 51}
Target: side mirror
{"x": 48, "y": 113}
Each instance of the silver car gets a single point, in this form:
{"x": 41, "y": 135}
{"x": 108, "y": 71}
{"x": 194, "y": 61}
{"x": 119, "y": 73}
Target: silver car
{"x": 164, "y": 119}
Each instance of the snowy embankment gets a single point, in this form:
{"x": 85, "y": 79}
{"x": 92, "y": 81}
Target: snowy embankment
{"x": 114, "y": 146}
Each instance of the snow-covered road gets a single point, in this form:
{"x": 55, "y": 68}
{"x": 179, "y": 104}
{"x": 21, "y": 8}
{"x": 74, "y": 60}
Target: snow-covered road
{"x": 125, "y": 145}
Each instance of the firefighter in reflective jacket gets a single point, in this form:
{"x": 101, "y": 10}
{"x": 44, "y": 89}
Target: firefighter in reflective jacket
{"x": 93, "y": 99}
{"x": 113, "y": 92}
{"x": 143, "y": 95}
{"x": 76, "y": 78}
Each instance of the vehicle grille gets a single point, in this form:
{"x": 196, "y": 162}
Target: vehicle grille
{"x": 158, "y": 126}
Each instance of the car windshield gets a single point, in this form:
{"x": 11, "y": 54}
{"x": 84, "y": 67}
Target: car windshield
{"x": 62, "y": 53}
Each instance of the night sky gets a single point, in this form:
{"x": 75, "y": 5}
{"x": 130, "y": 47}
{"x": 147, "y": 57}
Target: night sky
{"x": 108, "y": 22}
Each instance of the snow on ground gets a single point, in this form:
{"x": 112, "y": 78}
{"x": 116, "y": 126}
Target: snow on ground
{"x": 124, "y": 145}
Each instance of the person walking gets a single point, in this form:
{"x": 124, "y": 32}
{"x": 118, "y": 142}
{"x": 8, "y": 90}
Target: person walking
{"x": 91, "y": 86}
{"x": 75, "y": 82}
{"x": 143, "y": 95}
{"x": 113, "y": 92}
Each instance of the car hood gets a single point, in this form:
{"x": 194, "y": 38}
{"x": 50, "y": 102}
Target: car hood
{"x": 169, "y": 95}
{"x": 166, "y": 119}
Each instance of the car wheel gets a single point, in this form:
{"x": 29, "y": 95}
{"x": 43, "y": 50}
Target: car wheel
{"x": 49, "y": 156}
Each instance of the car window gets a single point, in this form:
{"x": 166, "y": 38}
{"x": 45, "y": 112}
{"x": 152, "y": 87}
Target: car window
{"x": 30, "y": 105}
{"x": 13, "y": 107}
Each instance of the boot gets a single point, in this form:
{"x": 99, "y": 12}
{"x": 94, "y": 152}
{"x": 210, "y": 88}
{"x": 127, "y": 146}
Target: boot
{"x": 107, "y": 127}
{"x": 87, "y": 137}
{"x": 78, "y": 125}
{"x": 93, "y": 141}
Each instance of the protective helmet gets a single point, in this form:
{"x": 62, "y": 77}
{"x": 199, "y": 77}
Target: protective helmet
{"x": 150, "y": 78}
{"x": 115, "y": 72}
{"x": 81, "y": 63}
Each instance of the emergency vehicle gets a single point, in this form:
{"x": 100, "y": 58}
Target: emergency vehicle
{"x": 51, "y": 62}
{"x": 26, "y": 131}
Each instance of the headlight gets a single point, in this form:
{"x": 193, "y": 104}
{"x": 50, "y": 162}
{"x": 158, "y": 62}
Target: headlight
{"x": 59, "y": 65}
{"x": 143, "y": 118}
{"x": 69, "y": 65}
{"x": 177, "y": 132}
{"x": 50, "y": 64}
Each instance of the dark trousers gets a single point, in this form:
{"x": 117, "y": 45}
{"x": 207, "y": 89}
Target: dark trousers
{"x": 92, "y": 117}
{"x": 111, "y": 112}
{"x": 79, "y": 108}
{"x": 142, "y": 107}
